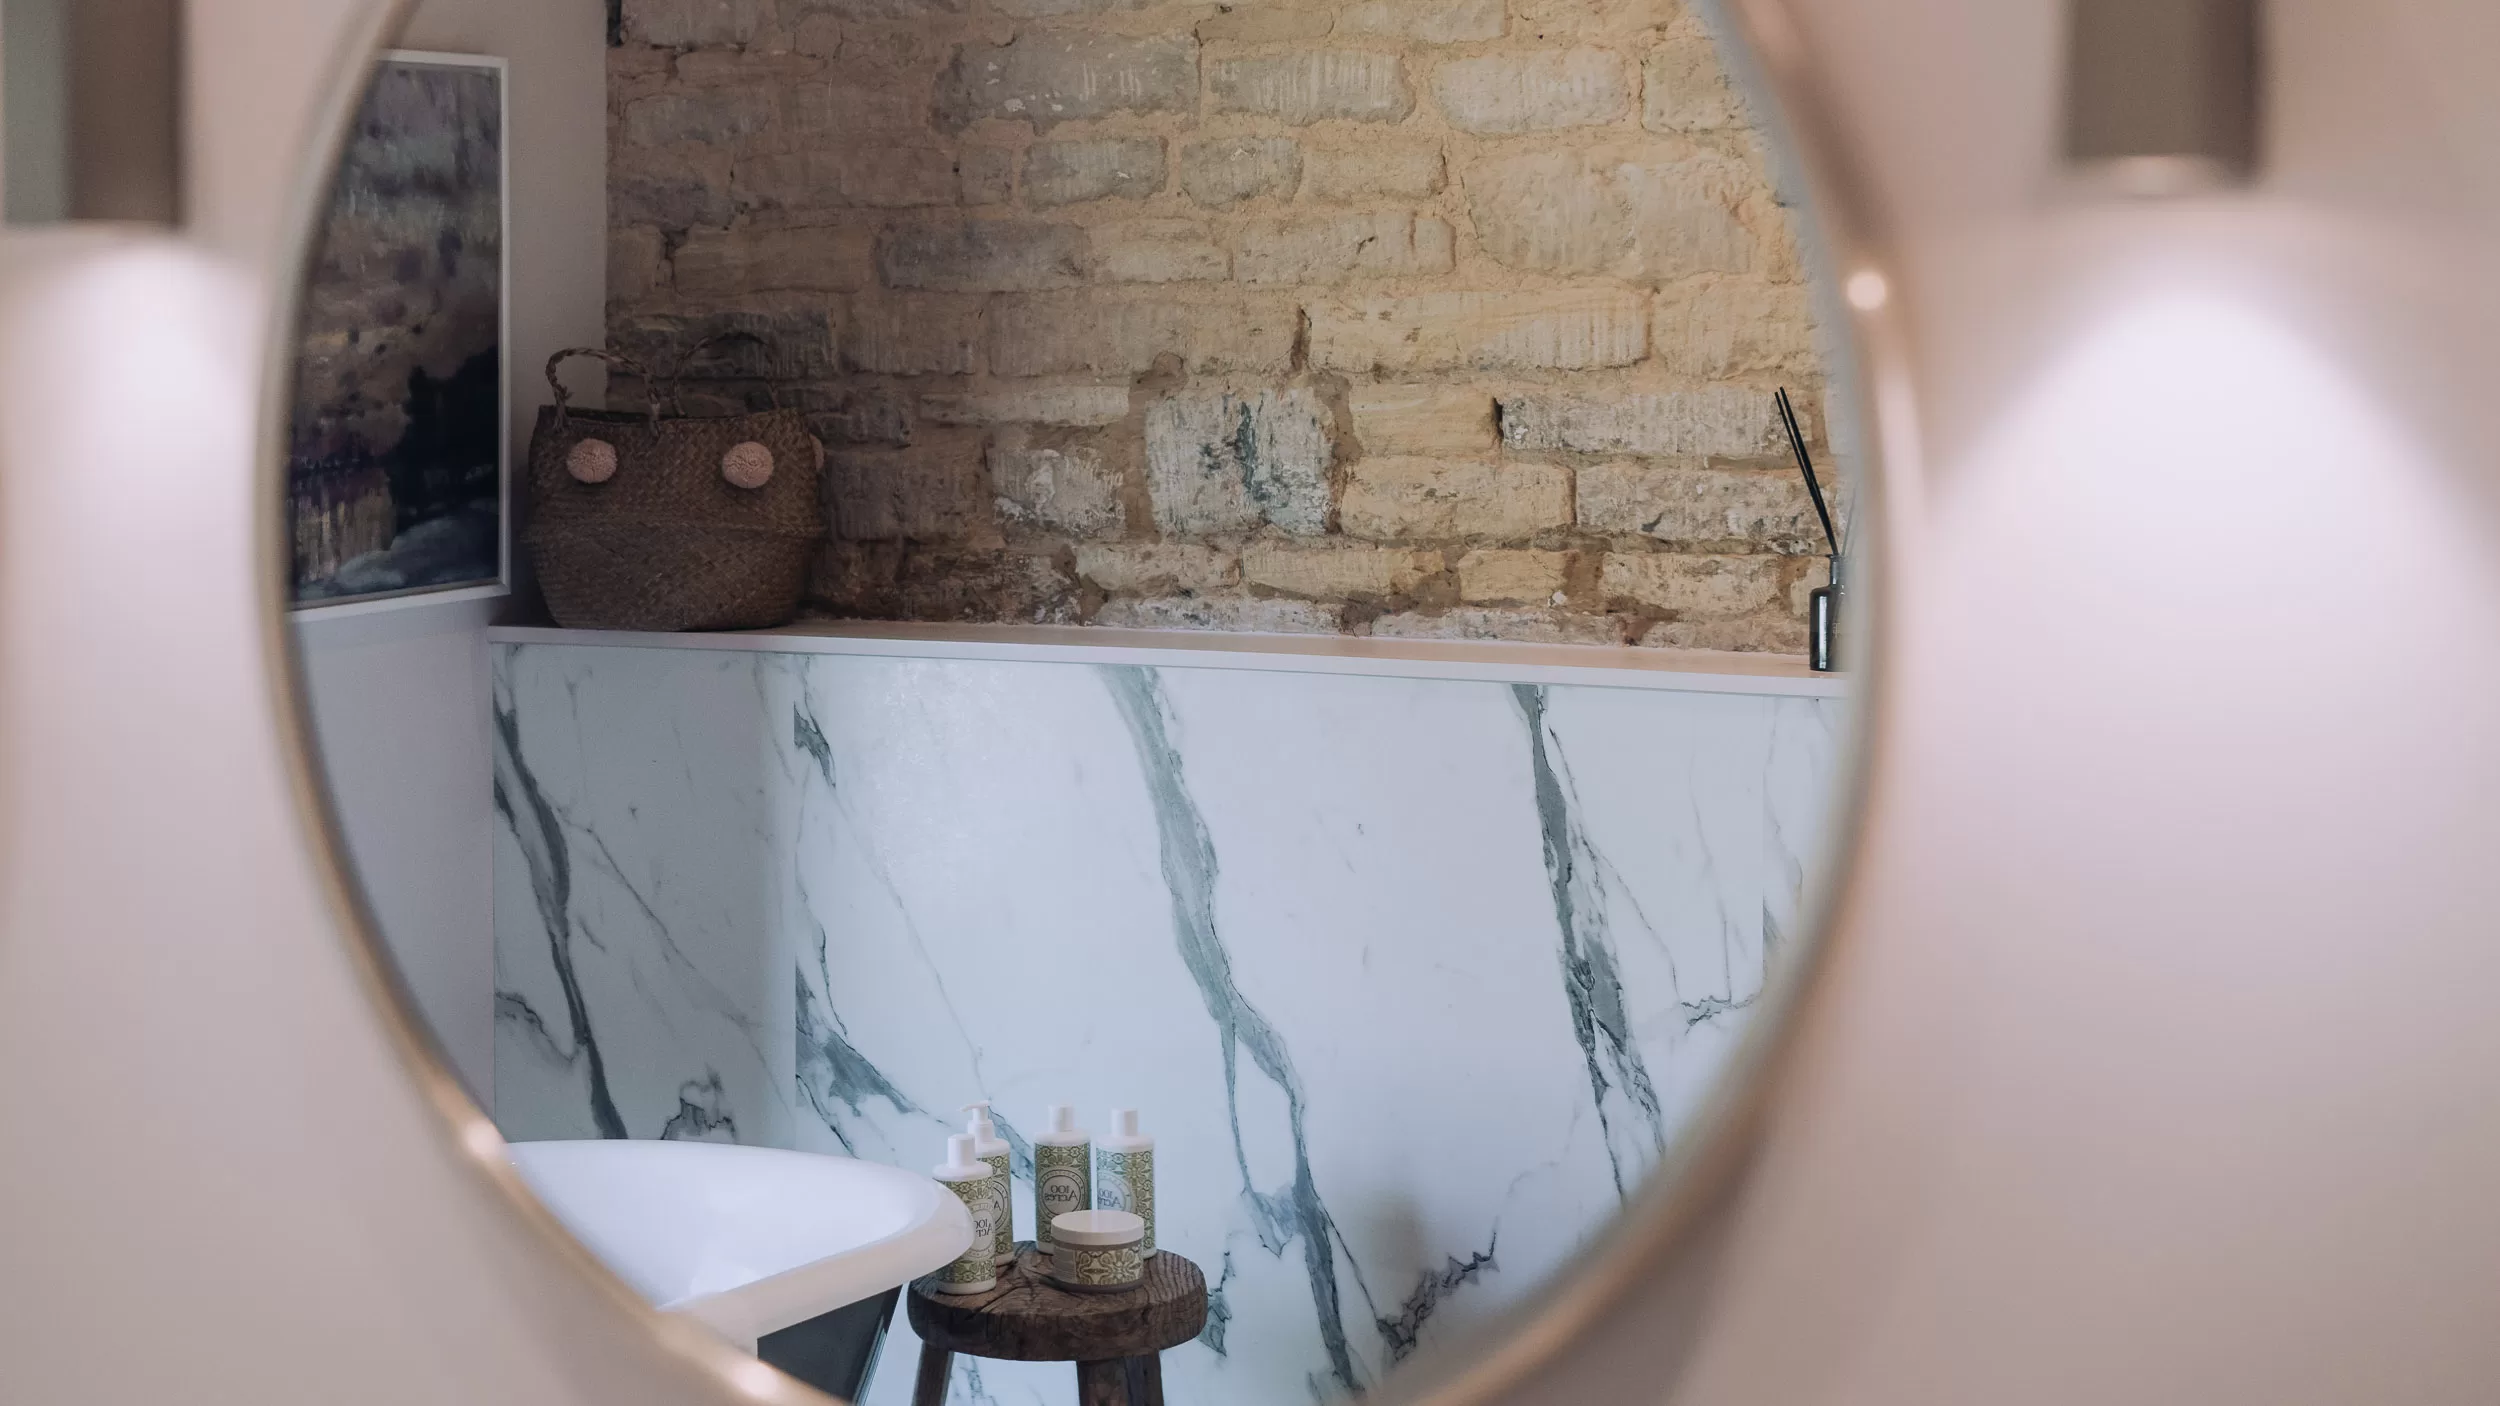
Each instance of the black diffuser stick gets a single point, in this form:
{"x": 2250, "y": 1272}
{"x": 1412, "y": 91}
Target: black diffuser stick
{"x": 1805, "y": 465}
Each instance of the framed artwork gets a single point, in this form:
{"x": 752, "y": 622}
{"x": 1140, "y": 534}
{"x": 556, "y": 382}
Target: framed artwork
{"x": 399, "y": 458}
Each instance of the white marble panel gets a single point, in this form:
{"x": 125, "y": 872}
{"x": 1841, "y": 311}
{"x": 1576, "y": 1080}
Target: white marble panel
{"x": 1413, "y": 978}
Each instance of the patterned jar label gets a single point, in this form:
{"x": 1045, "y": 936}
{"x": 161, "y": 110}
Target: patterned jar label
{"x": 1125, "y": 1181}
{"x": 986, "y": 1199}
{"x": 1063, "y": 1181}
{"x": 1003, "y": 1237}
{"x": 1090, "y": 1267}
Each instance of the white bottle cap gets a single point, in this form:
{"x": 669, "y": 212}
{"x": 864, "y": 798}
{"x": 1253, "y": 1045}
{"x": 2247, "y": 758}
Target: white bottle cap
{"x": 1062, "y": 1118}
{"x": 1124, "y": 1122}
{"x": 981, "y": 1127}
{"x": 959, "y": 1159}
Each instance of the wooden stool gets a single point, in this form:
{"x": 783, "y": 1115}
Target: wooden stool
{"x": 1113, "y": 1338}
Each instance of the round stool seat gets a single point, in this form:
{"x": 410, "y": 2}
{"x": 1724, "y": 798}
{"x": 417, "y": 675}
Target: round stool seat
{"x": 1112, "y": 1337}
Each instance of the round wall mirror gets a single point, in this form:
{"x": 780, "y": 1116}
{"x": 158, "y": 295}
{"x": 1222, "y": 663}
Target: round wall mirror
{"x": 1258, "y": 611}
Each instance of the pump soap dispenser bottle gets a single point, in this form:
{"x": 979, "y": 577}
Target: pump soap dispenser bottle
{"x": 1124, "y": 1174}
{"x": 987, "y": 1146}
{"x": 984, "y": 1194}
{"x": 1063, "y": 1173}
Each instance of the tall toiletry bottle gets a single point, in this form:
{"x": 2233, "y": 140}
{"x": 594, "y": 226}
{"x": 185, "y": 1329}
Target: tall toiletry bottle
{"x": 1063, "y": 1173}
{"x": 990, "y": 1148}
{"x": 984, "y": 1194}
{"x": 1124, "y": 1174}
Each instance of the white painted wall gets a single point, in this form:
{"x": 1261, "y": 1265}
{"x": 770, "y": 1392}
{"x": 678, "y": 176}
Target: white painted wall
{"x": 399, "y": 698}
{"x": 2156, "y": 1063}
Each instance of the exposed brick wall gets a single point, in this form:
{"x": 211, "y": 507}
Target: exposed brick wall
{"x": 1451, "y": 318}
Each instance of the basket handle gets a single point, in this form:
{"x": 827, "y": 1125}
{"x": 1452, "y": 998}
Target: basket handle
{"x": 695, "y": 353}
{"x": 651, "y": 388}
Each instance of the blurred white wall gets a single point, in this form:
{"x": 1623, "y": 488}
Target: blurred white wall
{"x": 2155, "y": 1061}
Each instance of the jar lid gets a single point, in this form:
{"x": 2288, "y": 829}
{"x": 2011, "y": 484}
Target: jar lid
{"x": 1107, "y": 1230}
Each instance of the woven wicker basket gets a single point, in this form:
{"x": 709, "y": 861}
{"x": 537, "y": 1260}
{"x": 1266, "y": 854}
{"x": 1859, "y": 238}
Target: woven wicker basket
{"x": 650, "y": 532}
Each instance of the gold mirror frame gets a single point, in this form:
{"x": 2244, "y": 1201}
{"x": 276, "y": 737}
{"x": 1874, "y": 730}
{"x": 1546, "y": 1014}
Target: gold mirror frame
{"x": 1766, "y": 56}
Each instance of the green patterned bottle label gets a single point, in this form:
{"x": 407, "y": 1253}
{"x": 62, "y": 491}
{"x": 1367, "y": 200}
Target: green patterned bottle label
{"x": 986, "y": 1199}
{"x": 1003, "y": 1238}
{"x": 1125, "y": 1181}
{"x": 1063, "y": 1181}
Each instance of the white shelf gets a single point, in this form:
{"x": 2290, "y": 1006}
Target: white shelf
{"x": 1677, "y": 670}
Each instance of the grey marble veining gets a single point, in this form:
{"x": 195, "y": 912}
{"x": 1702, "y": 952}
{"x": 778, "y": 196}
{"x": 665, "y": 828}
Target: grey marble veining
{"x": 1414, "y": 978}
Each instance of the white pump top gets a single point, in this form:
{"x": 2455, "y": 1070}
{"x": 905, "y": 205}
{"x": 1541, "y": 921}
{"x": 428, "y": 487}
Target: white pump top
{"x": 1062, "y": 1118}
{"x": 1124, "y": 1122}
{"x": 961, "y": 1165}
{"x": 985, "y": 1139}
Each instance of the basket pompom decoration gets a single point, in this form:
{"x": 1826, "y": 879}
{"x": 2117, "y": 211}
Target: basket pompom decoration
{"x": 648, "y": 520}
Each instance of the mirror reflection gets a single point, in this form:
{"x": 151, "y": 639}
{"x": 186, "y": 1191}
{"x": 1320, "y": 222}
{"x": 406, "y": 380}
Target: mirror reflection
{"x": 1219, "y": 603}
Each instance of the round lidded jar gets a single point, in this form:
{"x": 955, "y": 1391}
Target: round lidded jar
{"x": 1096, "y": 1252}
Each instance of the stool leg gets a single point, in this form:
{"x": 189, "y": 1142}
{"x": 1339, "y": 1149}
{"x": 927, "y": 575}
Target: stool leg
{"x": 1145, "y": 1380}
{"x": 1103, "y": 1383}
{"x": 935, "y": 1364}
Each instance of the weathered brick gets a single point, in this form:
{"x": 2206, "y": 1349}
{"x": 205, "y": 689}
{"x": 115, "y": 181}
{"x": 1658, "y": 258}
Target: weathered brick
{"x": 1685, "y": 89}
{"x": 1565, "y": 330}
{"x": 931, "y": 493}
{"x": 830, "y": 258}
{"x": 674, "y": 188}
{"x": 684, "y": 23}
{"x": 1424, "y": 21}
{"x": 853, "y": 99}
{"x": 1754, "y": 634}
{"x": 1231, "y": 614}
{"x": 1430, "y": 499}
{"x": 1731, "y": 421}
{"x": 1694, "y": 587}
{"x": 910, "y": 335}
{"x": 1375, "y": 170}
{"x": 1599, "y": 212}
{"x": 1434, "y": 420}
{"x": 792, "y": 340}
{"x": 1092, "y": 336}
{"x": 1049, "y": 78}
{"x": 888, "y": 9}
{"x": 1063, "y": 173}
{"x": 745, "y": 68}
{"x": 1714, "y": 328}
{"x": 1316, "y": 85}
{"x": 981, "y": 256}
{"x": 1157, "y": 567}
{"x": 1517, "y": 626}
{"x": 1265, "y": 24}
{"x": 1158, "y": 251}
{"x": 902, "y": 172}
{"x": 1029, "y": 405}
{"x": 1047, "y": 9}
{"x": 985, "y": 175}
{"x": 1229, "y": 170}
{"x": 1501, "y": 577}
{"x": 1700, "y": 507}
{"x": 1542, "y": 91}
{"x": 637, "y": 263}
{"x": 1230, "y": 461}
{"x": 844, "y": 414}
{"x": 819, "y": 36}
{"x": 1333, "y": 248}
{"x": 724, "y": 117}
{"x": 1597, "y": 19}
{"x": 889, "y": 581}
{"x": 1065, "y": 490}
{"x": 1338, "y": 571}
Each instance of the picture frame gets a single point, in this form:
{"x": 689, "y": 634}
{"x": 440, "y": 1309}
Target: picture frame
{"x": 399, "y": 464}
